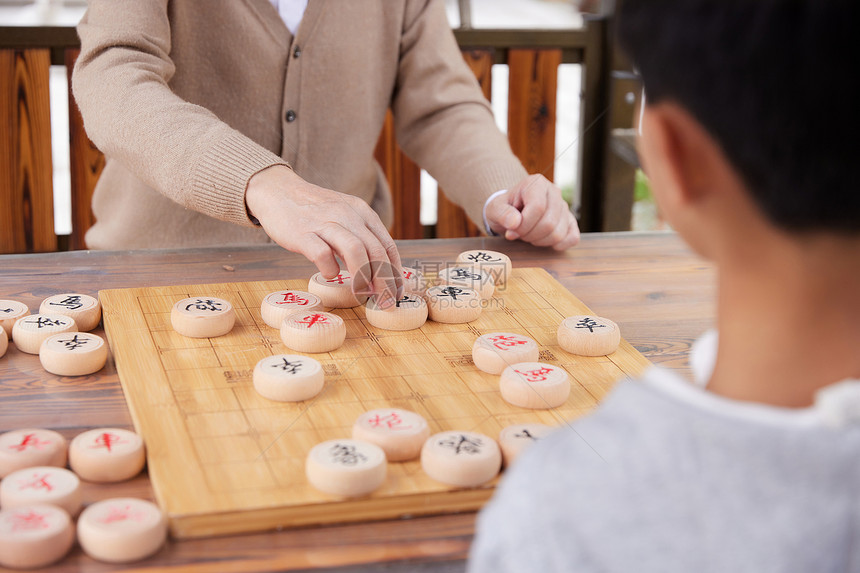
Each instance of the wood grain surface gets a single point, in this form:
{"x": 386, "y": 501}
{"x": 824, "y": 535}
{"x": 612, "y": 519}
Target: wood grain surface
{"x": 404, "y": 180}
{"x": 660, "y": 294}
{"x": 26, "y": 172}
{"x": 532, "y": 89}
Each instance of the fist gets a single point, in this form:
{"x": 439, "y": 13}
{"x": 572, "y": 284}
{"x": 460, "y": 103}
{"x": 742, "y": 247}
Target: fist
{"x": 534, "y": 211}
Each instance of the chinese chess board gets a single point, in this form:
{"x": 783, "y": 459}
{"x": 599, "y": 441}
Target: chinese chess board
{"x": 222, "y": 459}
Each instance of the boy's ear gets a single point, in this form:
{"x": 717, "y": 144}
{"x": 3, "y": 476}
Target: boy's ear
{"x": 677, "y": 154}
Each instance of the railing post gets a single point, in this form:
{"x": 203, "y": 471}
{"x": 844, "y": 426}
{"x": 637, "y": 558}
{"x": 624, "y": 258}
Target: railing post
{"x": 26, "y": 169}
{"x": 532, "y": 92}
{"x": 622, "y": 159}
{"x": 465, "y": 7}
{"x": 593, "y": 125}
{"x": 404, "y": 180}
{"x": 451, "y": 220}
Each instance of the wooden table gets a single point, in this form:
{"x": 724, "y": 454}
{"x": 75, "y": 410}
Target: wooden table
{"x": 660, "y": 294}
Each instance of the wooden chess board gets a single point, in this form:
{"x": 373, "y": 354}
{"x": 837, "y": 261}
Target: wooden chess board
{"x": 223, "y": 459}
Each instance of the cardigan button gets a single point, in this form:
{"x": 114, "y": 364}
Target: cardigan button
{"x": 297, "y": 51}
{"x": 291, "y": 116}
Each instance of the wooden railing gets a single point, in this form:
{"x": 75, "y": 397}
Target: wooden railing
{"x": 533, "y": 56}
{"x": 26, "y": 168}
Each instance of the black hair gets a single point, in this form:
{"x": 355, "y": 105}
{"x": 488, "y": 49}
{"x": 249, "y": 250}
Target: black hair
{"x": 770, "y": 81}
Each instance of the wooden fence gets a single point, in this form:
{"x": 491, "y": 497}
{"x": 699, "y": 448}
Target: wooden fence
{"x": 533, "y": 57}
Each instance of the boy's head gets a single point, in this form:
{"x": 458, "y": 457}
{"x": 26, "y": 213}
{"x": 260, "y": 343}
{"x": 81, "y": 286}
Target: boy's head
{"x": 768, "y": 81}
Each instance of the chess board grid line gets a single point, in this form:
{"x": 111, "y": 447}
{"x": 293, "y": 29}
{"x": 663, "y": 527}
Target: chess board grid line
{"x": 168, "y": 414}
{"x": 184, "y": 417}
{"x": 212, "y": 347}
{"x": 342, "y": 377}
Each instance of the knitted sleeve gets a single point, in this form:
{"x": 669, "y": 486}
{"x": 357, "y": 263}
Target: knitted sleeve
{"x": 442, "y": 119}
{"x": 183, "y": 150}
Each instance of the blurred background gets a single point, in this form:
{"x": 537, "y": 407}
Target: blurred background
{"x": 507, "y": 15}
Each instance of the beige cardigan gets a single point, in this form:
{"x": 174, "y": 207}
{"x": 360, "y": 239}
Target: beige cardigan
{"x": 188, "y": 99}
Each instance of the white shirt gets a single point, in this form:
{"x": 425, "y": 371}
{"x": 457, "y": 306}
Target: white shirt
{"x": 665, "y": 476}
{"x": 291, "y": 12}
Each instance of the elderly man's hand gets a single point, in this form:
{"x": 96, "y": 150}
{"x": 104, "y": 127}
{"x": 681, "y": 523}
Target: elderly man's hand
{"x": 320, "y": 223}
{"x": 534, "y": 211}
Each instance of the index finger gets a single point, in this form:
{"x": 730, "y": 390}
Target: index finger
{"x": 379, "y": 276}
{"x": 383, "y": 274}
{"x": 391, "y": 252}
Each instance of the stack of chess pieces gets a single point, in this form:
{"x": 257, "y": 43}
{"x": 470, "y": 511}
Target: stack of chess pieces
{"x": 356, "y": 466}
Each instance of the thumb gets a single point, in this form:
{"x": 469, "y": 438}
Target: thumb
{"x": 503, "y": 216}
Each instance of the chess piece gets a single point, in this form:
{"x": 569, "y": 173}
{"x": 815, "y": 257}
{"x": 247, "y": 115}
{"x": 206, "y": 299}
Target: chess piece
{"x": 39, "y": 485}
{"x": 34, "y": 536}
{"x": 409, "y": 313}
{"x": 202, "y": 317}
{"x": 495, "y": 351}
{"x": 21, "y": 449}
{"x": 589, "y": 335}
{"x": 10, "y": 311}
{"x": 400, "y": 433}
{"x": 121, "y": 530}
{"x": 414, "y": 281}
{"x": 30, "y": 331}
{"x": 453, "y": 304}
{"x": 534, "y": 385}
{"x": 498, "y": 265}
{"x": 335, "y": 292}
{"x": 346, "y": 468}
{"x": 73, "y": 354}
{"x": 461, "y": 459}
{"x": 313, "y": 332}
{"x": 471, "y": 277}
{"x": 107, "y": 455}
{"x": 288, "y": 377}
{"x": 277, "y": 305}
{"x": 85, "y": 309}
{"x": 4, "y": 342}
{"x": 515, "y": 439}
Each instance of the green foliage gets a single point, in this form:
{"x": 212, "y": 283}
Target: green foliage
{"x": 567, "y": 193}
{"x": 642, "y": 189}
